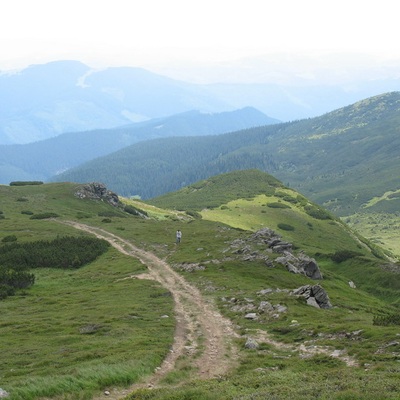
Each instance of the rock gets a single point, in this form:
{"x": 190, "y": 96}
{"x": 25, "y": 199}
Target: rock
{"x": 352, "y": 285}
{"x": 311, "y": 301}
{"x": 251, "y": 344}
{"x": 251, "y": 316}
{"x": 97, "y": 191}
{"x": 3, "y": 394}
{"x": 265, "y": 306}
{"x": 315, "y": 292}
{"x": 321, "y": 296}
{"x": 280, "y": 309}
{"x": 291, "y": 268}
{"x": 309, "y": 267}
{"x": 266, "y": 291}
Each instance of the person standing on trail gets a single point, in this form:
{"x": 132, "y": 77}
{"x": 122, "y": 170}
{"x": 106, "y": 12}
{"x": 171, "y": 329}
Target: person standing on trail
{"x": 178, "y": 236}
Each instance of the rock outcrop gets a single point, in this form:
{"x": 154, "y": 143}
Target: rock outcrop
{"x": 97, "y": 191}
{"x": 315, "y": 296}
{"x": 297, "y": 264}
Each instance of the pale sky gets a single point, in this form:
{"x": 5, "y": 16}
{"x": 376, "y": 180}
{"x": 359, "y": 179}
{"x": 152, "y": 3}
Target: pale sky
{"x": 172, "y": 34}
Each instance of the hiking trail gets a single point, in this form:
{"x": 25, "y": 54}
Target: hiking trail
{"x": 202, "y": 334}
{"x": 197, "y": 320}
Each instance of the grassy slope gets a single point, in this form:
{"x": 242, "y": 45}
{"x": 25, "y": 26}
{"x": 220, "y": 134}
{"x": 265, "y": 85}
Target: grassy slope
{"x": 58, "y": 357}
{"x": 80, "y": 330}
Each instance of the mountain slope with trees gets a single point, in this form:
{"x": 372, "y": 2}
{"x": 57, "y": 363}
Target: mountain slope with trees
{"x": 41, "y": 160}
{"x": 341, "y": 160}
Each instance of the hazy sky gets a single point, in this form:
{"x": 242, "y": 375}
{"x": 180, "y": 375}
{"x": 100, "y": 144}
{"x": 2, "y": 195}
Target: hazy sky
{"x": 172, "y": 34}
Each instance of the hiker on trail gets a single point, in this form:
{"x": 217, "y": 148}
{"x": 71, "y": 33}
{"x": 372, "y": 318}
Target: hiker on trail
{"x": 178, "y": 236}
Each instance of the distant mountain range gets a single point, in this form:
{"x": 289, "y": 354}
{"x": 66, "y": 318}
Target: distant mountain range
{"x": 43, "y": 159}
{"x": 342, "y": 160}
{"x": 43, "y": 101}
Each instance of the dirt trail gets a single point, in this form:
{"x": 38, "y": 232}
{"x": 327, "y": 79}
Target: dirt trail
{"x": 201, "y": 332}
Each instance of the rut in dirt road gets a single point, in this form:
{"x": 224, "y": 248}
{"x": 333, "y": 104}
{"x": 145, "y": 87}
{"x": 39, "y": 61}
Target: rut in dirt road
{"x": 196, "y": 319}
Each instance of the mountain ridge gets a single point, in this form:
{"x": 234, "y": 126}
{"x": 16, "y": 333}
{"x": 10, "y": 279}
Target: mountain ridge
{"x": 40, "y": 160}
{"x": 331, "y": 158}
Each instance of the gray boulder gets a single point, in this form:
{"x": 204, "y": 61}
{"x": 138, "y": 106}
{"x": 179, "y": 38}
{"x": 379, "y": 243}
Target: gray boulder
{"x": 315, "y": 295}
{"x": 97, "y": 191}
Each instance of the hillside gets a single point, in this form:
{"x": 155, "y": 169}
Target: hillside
{"x": 333, "y": 159}
{"x": 110, "y": 323}
{"x": 32, "y": 161}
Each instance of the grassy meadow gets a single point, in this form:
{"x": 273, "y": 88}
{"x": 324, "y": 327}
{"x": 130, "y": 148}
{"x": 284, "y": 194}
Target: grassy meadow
{"x": 77, "y": 332}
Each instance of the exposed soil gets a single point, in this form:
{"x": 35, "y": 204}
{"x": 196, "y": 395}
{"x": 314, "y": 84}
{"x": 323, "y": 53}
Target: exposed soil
{"x": 202, "y": 334}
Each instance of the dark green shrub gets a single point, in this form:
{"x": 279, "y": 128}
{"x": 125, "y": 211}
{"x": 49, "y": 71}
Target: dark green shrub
{"x": 26, "y": 212}
{"x": 134, "y": 211}
{"x": 286, "y": 227}
{"x": 22, "y": 199}
{"x": 278, "y": 205}
{"x": 25, "y": 183}
{"x": 81, "y": 215}
{"x": 110, "y": 214}
{"x": 44, "y": 215}
{"x": 106, "y": 220}
{"x": 290, "y": 199}
{"x": 343, "y": 255}
{"x": 386, "y": 320}
{"x": 195, "y": 214}
{"x": 62, "y": 252}
{"x": 16, "y": 279}
{"x": 2, "y": 216}
{"x": 6, "y": 291}
{"x": 9, "y": 238}
{"x": 317, "y": 212}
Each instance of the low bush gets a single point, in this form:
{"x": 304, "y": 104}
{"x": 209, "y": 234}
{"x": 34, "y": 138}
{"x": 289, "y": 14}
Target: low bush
{"x": 26, "y": 212}
{"x": 110, "y": 214}
{"x": 195, "y": 214}
{"x": 388, "y": 319}
{"x": 286, "y": 227}
{"x": 9, "y": 238}
{"x": 343, "y": 255}
{"x": 317, "y": 212}
{"x": 25, "y": 183}
{"x": 134, "y": 211}
{"x": 278, "y": 205}
{"x": 45, "y": 215}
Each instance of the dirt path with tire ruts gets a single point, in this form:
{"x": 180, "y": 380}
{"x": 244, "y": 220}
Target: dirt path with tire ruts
{"x": 202, "y": 334}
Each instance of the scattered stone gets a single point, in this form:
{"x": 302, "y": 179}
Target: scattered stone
{"x": 311, "y": 301}
{"x": 164, "y": 316}
{"x": 252, "y": 316}
{"x": 190, "y": 267}
{"x": 319, "y": 297}
{"x": 106, "y": 393}
{"x": 3, "y": 394}
{"x": 251, "y": 344}
{"x": 265, "y": 291}
{"x": 352, "y": 285}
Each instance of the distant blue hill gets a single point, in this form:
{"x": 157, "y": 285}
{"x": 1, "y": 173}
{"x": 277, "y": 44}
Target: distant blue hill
{"x": 43, "y": 159}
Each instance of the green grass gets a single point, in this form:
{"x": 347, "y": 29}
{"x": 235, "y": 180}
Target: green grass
{"x": 380, "y": 228}
{"x": 76, "y": 332}
{"x": 77, "y": 324}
